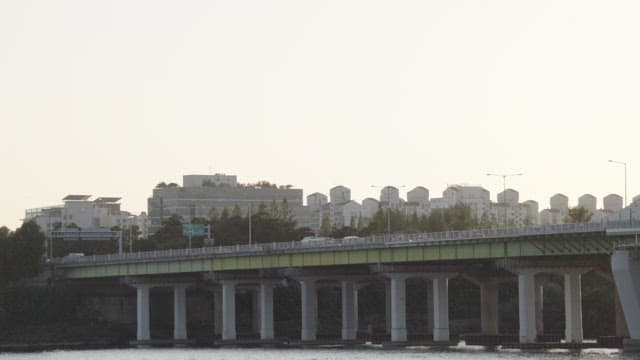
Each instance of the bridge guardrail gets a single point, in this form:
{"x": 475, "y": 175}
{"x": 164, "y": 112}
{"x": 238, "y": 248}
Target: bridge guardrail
{"x": 374, "y": 240}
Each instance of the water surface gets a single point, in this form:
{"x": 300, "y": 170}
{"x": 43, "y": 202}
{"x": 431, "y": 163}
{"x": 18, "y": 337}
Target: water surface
{"x": 462, "y": 353}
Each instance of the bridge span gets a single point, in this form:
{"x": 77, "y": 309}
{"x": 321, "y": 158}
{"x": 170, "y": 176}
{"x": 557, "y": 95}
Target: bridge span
{"x": 485, "y": 257}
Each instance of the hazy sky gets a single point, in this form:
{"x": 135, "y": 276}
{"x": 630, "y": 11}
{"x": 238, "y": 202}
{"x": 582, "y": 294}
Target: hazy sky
{"x": 110, "y": 97}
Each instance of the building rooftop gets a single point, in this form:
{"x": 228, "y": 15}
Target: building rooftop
{"x": 107, "y": 199}
{"x": 76, "y": 198}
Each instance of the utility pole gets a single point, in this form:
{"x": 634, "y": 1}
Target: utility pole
{"x": 130, "y": 240}
{"x": 625, "y": 186}
{"x": 250, "y": 211}
{"x": 625, "y": 178}
{"x": 504, "y": 191}
{"x": 120, "y": 242}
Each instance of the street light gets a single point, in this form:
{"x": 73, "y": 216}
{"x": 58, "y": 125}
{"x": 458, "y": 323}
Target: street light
{"x": 625, "y": 178}
{"x": 504, "y": 191}
{"x": 250, "y": 211}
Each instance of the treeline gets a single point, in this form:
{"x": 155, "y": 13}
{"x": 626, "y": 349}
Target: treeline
{"x": 273, "y": 223}
{"x": 21, "y": 252}
{"x": 458, "y": 217}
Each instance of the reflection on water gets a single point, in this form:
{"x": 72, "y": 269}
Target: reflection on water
{"x": 317, "y": 354}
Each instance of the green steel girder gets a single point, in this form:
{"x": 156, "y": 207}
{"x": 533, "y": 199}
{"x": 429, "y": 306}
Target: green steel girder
{"x": 564, "y": 245}
{"x": 142, "y": 268}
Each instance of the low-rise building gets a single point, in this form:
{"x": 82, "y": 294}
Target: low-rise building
{"x": 78, "y": 211}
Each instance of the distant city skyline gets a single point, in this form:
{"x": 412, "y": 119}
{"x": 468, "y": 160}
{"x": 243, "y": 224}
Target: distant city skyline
{"x": 111, "y": 98}
{"x": 204, "y": 196}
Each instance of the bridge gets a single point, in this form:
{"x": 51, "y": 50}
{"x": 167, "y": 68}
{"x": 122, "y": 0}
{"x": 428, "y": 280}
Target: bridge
{"x": 485, "y": 257}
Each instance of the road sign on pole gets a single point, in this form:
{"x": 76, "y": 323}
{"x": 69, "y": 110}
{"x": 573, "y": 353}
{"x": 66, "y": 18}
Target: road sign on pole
{"x": 193, "y": 230}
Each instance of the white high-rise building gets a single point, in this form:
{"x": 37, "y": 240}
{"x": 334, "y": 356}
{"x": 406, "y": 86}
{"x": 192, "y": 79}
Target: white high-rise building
{"x": 476, "y": 197}
{"x": 370, "y": 207}
{"x": 612, "y": 203}
{"x": 346, "y": 214}
{"x": 316, "y": 200}
{"x": 417, "y": 202}
{"x": 559, "y": 209}
{"x": 589, "y": 202}
{"x": 509, "y": 197}
{"x": 418, "y": 195}
{"x": 559, "y": 202}
{"x": 390, "y": 197}
{"x": 339, "y": 194}
{"x": 532, "y": 212}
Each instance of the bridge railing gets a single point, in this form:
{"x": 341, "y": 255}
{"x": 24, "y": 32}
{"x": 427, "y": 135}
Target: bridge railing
{"x": 355, "y": 242}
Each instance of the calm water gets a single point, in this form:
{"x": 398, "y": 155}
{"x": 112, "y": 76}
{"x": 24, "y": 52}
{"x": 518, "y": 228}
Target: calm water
{"x": 314, "y": 354}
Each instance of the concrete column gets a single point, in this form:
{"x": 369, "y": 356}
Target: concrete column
{"x": 539, "y": 304}
{"x": 348, "y": 310}
{"x": 489, "y": 307}
{"x": 180, "y": 312}
{"x": 398, "y": 308}
{"x": 143, "y": 328}
{"x": 355, "y": 310}
{"x": 621, "y": 325}
{"x": 430, "y": 323}
{"x": 625, "y": 267}
{"x": 573, "y": 307}
{"x": 440, "y": 309}
{"x": 255, "y": 311}
{"x": 309, "y": 302}
{"x": 266, "y": 311}
{"x": 217, "y": 311}
{"x": 526, "y": 305}
{"x": 228, "y": 310}
{"x": 387, "y": 306}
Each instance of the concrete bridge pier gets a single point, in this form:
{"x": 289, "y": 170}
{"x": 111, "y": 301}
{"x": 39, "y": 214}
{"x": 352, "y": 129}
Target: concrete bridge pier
{"x": 398, "y": 307}
{"x": 625, "y": 266}
{"x": 539, "y": 304}
{"x": 143, "y": 332}
{"x": 440, "y": 308}
{"x": 217, "y": 311}
{"x": 489, "y": 307}
{"x": 228, "y": 310}
{"x": 526, "y": 306}
{"x": 256, "y": 317}
{"x": 349, "y": 310}
{"x": 309, "y": 302}
{"x": 180, "y": 312}
{"x": 621, "y": 324}
{"x": 573, "y": 306}
{"x": 387, "y": 306}
{"x": 266, "y": 311}
{"x": 530, "y": 301}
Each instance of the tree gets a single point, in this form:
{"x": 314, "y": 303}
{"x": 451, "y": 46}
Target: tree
{"x": 21, "y": 252}
{"x": 168, "y": 237}
{"x": 325, "y": 226}
{"x": 578, "y": 214}
{"x": 161, "y": 185}
{"x": 236, "y": 212}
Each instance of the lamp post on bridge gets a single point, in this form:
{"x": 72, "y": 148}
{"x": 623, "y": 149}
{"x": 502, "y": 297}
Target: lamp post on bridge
{"x": 625, "y": 186}
{"x": 504, "y": 191}
{"x": 625, "y": 177}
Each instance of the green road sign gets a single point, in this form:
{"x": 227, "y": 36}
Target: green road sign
{"x": 193, "y": 230}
